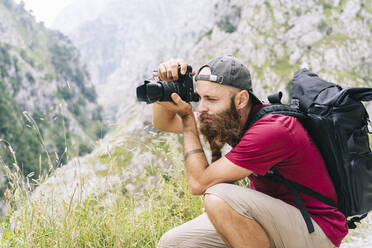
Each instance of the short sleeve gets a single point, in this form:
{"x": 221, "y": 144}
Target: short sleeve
{"x": 267, "y": 143}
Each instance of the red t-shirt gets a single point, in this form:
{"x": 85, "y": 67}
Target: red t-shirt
{"x": 282, "y": 141}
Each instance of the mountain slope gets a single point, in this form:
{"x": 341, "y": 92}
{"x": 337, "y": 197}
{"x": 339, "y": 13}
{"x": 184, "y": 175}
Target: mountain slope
{"x": 48, "y": 107}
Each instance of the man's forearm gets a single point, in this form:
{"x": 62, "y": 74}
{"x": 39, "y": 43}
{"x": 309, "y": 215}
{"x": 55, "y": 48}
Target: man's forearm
{"x": 196, "y": 163}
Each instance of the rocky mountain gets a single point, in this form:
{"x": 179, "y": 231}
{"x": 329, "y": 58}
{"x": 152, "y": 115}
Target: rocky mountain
{"x": 48, "y": 107}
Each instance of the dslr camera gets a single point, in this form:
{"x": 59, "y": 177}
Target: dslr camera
{"x": 152, "y": 91}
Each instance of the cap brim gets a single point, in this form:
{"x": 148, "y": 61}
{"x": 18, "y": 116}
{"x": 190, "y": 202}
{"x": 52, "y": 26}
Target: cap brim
{"x": 255, "y": 99}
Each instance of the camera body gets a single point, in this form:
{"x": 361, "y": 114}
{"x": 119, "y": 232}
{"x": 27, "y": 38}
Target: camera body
{"x": 152, "y": 91}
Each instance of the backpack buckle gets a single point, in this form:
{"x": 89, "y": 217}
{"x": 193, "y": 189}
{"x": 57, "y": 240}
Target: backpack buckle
{"x": 296, "y": 103}
{"x": 270, "y": 172}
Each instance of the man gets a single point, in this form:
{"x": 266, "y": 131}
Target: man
{"x": 265, "y": 215}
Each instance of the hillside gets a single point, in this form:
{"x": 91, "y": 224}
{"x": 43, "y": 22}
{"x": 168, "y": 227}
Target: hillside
{"x": 48, "y": 107}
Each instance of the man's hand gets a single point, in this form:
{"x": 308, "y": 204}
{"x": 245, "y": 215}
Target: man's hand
{"x": 168, "y": 71}
{"x": 178, "y": 106}
{"x": 165, "y": 116}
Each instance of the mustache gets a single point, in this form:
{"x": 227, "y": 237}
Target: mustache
{"x": 204, "y": 116}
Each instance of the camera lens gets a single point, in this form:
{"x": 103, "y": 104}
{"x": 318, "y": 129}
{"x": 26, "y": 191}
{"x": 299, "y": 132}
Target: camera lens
{"x": 169, "y": 88}
{"x": 150, "y": 92}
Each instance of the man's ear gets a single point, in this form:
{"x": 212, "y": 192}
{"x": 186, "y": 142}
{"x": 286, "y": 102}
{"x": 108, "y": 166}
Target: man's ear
{"x": 241, "y": 99}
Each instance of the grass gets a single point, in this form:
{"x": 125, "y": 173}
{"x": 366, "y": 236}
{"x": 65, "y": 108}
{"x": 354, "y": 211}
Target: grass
{"x": 127, "y": 221}
{"x": 117, "y": 218}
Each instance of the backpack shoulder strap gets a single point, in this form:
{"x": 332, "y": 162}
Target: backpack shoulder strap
{"x": 294, "y": 188}
{"x": 275, "y": 175}
{"x": 281, "y": 109}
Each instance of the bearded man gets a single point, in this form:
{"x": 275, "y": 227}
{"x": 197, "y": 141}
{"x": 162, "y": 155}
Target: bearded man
{"x": 264, "y": 215}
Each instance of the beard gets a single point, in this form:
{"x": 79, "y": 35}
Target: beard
{"x": 221, "y": 128}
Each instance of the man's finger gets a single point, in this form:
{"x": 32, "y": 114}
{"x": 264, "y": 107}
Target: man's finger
{"x": 162, "y": 72}
{"x": 169, "y": 72}
{"x": 176, "y": 98}
{"x": 174, "y": 69}
{"x": 183, "y": 66}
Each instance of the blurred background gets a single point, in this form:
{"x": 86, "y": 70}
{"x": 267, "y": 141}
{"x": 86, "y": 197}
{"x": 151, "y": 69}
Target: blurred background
{"x": 70, "y": 125}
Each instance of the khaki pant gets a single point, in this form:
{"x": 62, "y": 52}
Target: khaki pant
{"x": 282, "y": 222}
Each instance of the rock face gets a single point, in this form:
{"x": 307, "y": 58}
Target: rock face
{"x": 276, "y": 38}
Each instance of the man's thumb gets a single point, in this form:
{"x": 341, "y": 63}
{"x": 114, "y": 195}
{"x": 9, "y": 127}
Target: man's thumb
{"x": 175, "y": 97}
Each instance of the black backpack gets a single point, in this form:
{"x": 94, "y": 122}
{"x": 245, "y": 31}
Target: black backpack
{"x": 338, "y": 123}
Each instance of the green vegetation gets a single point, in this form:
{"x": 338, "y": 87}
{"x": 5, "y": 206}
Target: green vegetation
{"x": 30, "y": 78}
{"x": 5, "y": 62}
{"x": 15, "y": 131}
{"x": 125, "y": 223}
{"x": 327, "y": 7}
{"x": 207, "y": 34}
{"x": 227, "y": 23}
{"x": 332, "y": 40}
{"x": 322, "y": 26}
{"x": 128, "y": 221}
{"x": 27, "y": 58}
{"x": 61, "y": 55}
{"x": 282, "y": 67}
{"x": 44, "y": 134}
{"x": 298, "y": 12}
{"x": 227, "y": 26}
{"x": 84, "y": 149}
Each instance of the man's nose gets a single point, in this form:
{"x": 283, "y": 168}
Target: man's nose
{"x": 202, "y": 108}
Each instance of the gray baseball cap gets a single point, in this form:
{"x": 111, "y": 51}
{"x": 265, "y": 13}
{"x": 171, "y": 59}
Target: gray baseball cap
{"x": 228, "y": 70}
